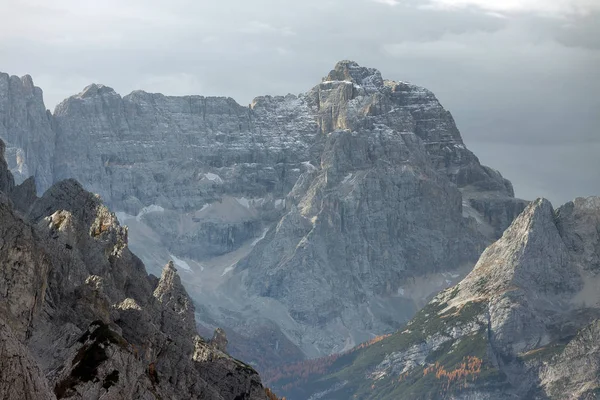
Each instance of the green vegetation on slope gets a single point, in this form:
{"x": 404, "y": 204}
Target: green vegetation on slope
{"x": 452, "y": 366}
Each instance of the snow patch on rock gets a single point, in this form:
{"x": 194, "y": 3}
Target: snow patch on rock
{"x": 228, "y": 269}
{"x": 309, "y": 166}
{"x": 261, "y": 237}
{"x": 243, "y": 201}
{"x": 213, "y": 177}
{"x": 149, "y": 209}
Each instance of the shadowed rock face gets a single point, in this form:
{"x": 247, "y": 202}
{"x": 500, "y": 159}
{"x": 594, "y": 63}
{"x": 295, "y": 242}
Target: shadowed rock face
{"x": 26, "y": 127}
{"x": 6, "y": 179}
{"x": 315, "y": 220}
{"x": 524, "y": 324}
{"x": 80, "y": 318}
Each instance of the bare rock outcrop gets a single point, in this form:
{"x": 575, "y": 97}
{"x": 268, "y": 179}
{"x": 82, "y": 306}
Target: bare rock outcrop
{"x": 80, "y": 318}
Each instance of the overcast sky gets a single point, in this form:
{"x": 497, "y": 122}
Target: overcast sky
{"x": 521, "y": 77}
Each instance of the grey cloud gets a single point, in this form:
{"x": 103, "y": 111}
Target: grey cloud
{"x": 583, "y": 32}
{"x": 524, "y": 82}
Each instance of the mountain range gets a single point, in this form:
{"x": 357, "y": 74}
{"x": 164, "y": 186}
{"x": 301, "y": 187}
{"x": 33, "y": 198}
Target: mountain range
{"x": 345, "y": 239}
{"x": 303, "y": 224}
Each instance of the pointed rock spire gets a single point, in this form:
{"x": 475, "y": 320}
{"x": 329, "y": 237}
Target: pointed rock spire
{"x": 177, "y": 307}
{"x": 530, "y": 255}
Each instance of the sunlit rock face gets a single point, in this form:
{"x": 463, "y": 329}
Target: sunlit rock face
{"x": 305, "y": 223}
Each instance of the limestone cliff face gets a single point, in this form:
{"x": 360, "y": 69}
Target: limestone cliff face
{"x": 369, "y": 220}
{"x": 314, "y": 220}
{"x": 522, "y": 325}
{"x": 80, "y": 318}
{"x": 385, "y": 205}
{"x": 180, "y": 152}
{"x": 26, "y": 127}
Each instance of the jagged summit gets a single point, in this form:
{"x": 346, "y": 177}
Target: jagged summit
{"x": 345, "y": 71}
{"x": 370, "y": 79}
{"x": 540, "y": 258}
{"x": 95, "y": 90}
{"x": 25, "y": 80}
{"x": 352, "y": 72}
{"x": 28, "y": 83}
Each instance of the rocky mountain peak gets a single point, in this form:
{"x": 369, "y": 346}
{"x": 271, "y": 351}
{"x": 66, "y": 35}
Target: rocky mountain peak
{"x": 176, "y": 304}
{"x": 350, "y": 71}
{"x": 95, "y": 90}
{"x": 170, "y": 287}
{"x": 530, "y": 256}
{"x": 28, "y": 83}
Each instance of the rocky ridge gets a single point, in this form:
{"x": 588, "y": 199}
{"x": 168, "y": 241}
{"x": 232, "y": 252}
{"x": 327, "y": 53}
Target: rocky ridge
{"x": 80, "y": 318}
{"x": 522, "y": 325}
{"x": 358, "y": 196}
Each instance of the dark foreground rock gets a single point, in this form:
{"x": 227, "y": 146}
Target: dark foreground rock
{"x": 80, "y": 318}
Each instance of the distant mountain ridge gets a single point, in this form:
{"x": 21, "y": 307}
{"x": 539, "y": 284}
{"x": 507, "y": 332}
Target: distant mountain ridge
{"x": 303, "y": 225}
